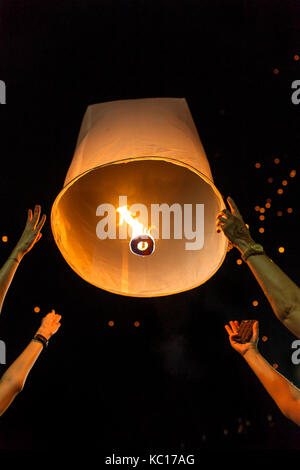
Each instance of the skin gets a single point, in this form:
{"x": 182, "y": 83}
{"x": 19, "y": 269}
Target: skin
{"x": 13, "y": 380}
{"x": 282, "y": 293}
{"x": 283, "y": 392}
{"x": 30, "y": 236}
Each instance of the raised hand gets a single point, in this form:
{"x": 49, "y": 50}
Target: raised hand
{"x": 50, "y": 324}
{"x": 232, "y": 330}
{"x": 32, "y": 232}
{"x": 232, "y": 224}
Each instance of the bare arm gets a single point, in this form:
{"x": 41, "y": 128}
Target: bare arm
{"x": 31, "y": 234}
{"x": 13, "y": 380}
{"x": 283, "y": 392}
{"x": 282, "y": 293}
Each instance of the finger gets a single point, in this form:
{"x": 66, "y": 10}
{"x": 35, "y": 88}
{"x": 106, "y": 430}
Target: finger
{"x": 222, "y": 219}
{"x": 229, "y": 247}
{"x": 255, "y": 331}
{"x": 37, "y": 211}
{"x": 234, "y": 328}
{"x": 220, "y": 226}
{"x": 236, "y": 324}
{"x": 234, "y": 338}
{"x": 41, "y": 223}
{"x": 39, "y": 236}
{"x": 57, "y": 318}
{"x": 29, "y": 216}
{"x": 224, "y": 212}
{"x": 36, "y": 216}
{"x": 229, "y": 330}
{"x": 233, "y": 207}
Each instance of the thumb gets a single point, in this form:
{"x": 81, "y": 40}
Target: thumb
{"x": 255, "y": 331}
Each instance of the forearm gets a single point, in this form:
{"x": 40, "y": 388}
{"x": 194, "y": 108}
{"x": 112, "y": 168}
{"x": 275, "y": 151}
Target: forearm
{"x": 17, "y": 373}
{"x": 282, "y": 293}
{"x": 283, "y": 392}
{"x": 7, "y": 273}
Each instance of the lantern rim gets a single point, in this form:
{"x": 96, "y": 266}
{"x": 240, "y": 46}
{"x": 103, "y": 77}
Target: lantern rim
{"x": 128, "y": 160}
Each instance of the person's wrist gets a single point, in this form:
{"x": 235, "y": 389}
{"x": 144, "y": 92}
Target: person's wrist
{"x": 243, "y": 244}
{"x": 42, "y": 331}
{"x": 252, "y": 351}
{"x": 17, "y": 253}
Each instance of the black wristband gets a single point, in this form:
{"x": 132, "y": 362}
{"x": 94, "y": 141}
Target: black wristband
{"x": 41, "y": 339}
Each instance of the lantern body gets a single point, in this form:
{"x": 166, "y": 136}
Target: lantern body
{"x": 140, "y": 152}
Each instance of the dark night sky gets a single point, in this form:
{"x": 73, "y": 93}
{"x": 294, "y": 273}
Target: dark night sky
{"x": 175, "y": 378}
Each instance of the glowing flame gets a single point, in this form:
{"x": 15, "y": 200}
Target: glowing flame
{"x": 137, "y": 227}
{"x": 141, "y": 243}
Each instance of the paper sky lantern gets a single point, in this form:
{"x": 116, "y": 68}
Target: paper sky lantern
{"x": 137, "y": 213}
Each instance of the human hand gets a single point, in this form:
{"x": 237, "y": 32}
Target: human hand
{"x": 232, "y": 330}
{"x": 32, "y": 232}
{"x": 234, "y": 227}
{"x": 50, "y": 324}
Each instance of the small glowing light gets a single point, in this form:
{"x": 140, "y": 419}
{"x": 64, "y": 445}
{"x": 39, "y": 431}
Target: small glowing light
{"x": 257, "y": 208}
{"x": 289, "y": 210}
{"x": 275, "y": 366}
{"x": 281, "y": 249}
{"x": 257, "y": 165}
{"x": 136, "y": 323}
{"x": 269, "y": 200}
{"x": 239, "y": 261}
{"x": 261, "y": 217}
{"x": 142, "y": 245}
{"x": 293, "y": 173}
{"x": 296, "y": 57}
{"x": 276, "y": 71}
{"x": 280, "y": 191}
{"x": 37, "y": 309}
{"x": 255, "y": 303}
{"x": 276, "y": 160}
{"x": 247, "y": 225}
{"x": 268, "y": 205}
{"x": 284, "y": 183}
{"x": 279, "y": 213}
{"x": 270, "y": 180}
{"x": 261, "y": 230}
{"x": 262, "y": 210}
{"x": 264, "y": 339}
{"x": 111, "y": 323}
{"x": 4, "y": 238}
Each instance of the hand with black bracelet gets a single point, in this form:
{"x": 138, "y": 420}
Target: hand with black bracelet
{"x": 13, "y": 380}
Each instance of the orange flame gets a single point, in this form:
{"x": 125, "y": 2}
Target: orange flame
{"x": 137, "y": 227}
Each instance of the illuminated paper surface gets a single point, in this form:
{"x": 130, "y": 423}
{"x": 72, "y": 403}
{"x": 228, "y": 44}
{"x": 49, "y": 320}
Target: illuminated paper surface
{"x": 148, "y": 150}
